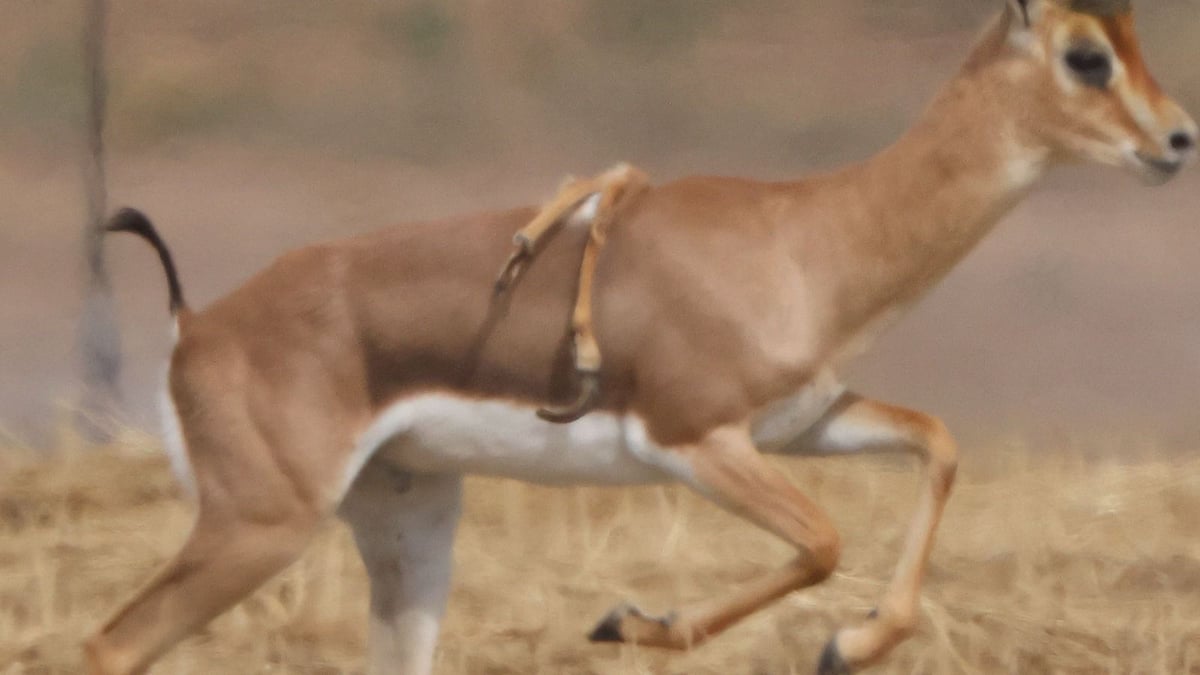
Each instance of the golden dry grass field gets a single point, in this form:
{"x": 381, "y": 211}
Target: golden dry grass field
{"x": 1045, "y": 564}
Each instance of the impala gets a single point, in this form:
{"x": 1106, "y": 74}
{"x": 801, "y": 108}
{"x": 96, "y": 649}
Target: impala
{"x": 364, "y": 377}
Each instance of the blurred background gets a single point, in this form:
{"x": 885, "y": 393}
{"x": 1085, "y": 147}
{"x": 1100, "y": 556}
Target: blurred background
{"x": 244, "y": 129}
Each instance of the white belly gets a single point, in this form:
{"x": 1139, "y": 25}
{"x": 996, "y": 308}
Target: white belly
{"x": 779, "y": 426}
{"x": 446, "y": 434}
{"x": 440, "y": 433}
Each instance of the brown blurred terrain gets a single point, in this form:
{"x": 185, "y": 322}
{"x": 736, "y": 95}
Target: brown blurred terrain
{"x": 1045, "y": 564}
{"x": 245, "y": 129}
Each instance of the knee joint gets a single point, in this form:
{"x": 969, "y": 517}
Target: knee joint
{"x": 825, "y": 552}
{"x": 941, "y": 452}
{"x": 97, "y": 658}
{"x": 903, "y": 625}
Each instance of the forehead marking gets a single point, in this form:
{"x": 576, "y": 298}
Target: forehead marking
{"x": 1120, "y": 33}
{"x": 1132, "y": 83}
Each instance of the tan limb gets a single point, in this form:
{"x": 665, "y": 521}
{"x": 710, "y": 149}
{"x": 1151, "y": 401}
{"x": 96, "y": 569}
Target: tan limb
{"x": 620, "y": 180}
{"x": 728, "y": 469}
{"x": 856, "y": 424}
{"x": 253, "y": 520}
{"x": 610, "y": 188}
{"x": 619, "y": 183}
{"x": 528, "y": 238}
{"x": 224, "y": 559}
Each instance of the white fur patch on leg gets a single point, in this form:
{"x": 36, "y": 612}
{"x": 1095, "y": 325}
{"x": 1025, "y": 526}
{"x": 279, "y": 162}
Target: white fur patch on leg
{"x": 173, "y": 442}
{"x": 585, "y": 213}
{"x": 780, "y": 424}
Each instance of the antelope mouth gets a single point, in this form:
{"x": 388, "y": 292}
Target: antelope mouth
{"x": 1158, "y": 170}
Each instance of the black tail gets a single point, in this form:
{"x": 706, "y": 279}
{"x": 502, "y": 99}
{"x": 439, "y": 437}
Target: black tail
{"x": 132, "y": 220}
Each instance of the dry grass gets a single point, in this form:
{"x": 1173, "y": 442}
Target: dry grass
{"x": 1044, "y": 565}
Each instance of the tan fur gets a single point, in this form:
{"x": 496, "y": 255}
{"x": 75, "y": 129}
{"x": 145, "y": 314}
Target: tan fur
{"x": 715, "y": 297}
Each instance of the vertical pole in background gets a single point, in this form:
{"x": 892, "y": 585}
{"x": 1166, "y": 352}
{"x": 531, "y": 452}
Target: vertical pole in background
{"x": 99, "y": 340}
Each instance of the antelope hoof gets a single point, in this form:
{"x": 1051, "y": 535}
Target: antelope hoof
{"x": 609, "y": 628}
{"x": 511, "y": 270}
{"x": 589, "y": 392}
{"x": 832, "y": 662}
{"x": 628, "y": 624}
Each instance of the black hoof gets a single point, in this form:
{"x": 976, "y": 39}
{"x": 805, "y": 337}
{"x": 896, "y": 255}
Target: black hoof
{"x": 609, "y": 629}
{"x": 589, "y": 395}
{"x": 832, "y": 662}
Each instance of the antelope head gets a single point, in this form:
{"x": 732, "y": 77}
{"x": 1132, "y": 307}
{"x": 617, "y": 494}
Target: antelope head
{"x": 1085, "y": 92}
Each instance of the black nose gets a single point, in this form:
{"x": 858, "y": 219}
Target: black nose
{"x": 1181, "y": 141}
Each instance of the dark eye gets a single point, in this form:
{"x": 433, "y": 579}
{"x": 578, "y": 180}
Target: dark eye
{"x": 1092, "y": 67}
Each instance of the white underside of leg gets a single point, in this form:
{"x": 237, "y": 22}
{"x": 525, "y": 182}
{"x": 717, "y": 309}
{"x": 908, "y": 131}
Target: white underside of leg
{"x": 405, "y": 534}
{"x": 173, "y": 442}
{"x": 585, "y": 213}
{"x": 781, "y": 423}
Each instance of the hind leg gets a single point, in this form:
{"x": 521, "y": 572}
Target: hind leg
{"x": 859, "y": 425}
{"x": 404, "y": 526}
{"x": 225, "y": 558}
{"x": 259, "y": 502}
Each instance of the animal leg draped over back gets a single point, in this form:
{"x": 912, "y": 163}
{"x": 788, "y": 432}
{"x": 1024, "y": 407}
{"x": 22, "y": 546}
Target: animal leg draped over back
{"x": 610, "y": 189}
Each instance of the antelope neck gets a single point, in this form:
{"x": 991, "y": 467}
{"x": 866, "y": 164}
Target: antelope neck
{"x": 898, "y": 222}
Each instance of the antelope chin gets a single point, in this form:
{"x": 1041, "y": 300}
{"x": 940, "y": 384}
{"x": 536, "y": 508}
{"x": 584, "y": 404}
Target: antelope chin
{"x": 1156, "y": 170}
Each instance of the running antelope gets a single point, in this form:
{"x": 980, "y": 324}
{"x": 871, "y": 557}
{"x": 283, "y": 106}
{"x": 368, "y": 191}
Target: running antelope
{"x": 366, "y": 376}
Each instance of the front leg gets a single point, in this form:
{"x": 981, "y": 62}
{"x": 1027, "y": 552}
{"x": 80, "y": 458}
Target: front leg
{"x": 727, "y": 468}
{"x": 404, "y": 526}
{"x": 856, "y": 424}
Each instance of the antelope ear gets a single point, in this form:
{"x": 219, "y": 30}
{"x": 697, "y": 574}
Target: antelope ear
{"x": 1024, "y": 13}
{"x": 1023, "y": 17}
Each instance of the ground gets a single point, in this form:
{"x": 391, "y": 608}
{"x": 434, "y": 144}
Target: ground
{"x": 1045, "y": 564}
